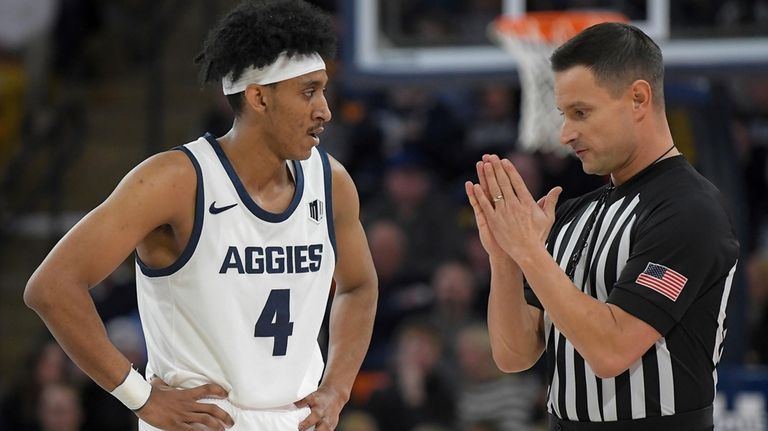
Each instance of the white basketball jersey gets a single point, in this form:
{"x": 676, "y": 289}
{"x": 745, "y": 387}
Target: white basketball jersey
{"x": 243, "y": 305}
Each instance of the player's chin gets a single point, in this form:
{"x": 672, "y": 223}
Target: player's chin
{"x": 306, "y": 150}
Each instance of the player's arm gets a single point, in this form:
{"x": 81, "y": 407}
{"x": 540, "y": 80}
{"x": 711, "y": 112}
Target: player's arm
{"x": 158, "y": 192}
{"x": 353, "y": 309}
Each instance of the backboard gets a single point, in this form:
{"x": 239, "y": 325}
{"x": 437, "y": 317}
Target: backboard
{"x": 409, "y": 38}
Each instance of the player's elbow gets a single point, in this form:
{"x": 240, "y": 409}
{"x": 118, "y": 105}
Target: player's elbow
{"x": 36, "y": 296}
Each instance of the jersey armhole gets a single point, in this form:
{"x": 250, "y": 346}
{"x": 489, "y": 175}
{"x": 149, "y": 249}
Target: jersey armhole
{"x": 197, "y": 227}
{"x": 530, "y": 297}
{"x": 328, "y": 180}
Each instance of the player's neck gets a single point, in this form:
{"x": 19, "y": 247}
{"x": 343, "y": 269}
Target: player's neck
{"x": 257, "y": 166}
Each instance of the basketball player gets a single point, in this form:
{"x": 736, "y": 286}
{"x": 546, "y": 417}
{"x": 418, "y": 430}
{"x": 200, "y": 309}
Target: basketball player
{"x": 627, "y": 298}
{"x": 238, "y": 240}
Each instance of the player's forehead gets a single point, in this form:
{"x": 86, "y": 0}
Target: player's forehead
{"x": 318, "y": 78}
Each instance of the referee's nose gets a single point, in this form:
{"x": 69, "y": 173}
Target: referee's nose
{"x": 568, "y": 132}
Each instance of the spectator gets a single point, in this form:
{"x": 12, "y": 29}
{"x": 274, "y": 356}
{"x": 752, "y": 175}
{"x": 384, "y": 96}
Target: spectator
{"x": 453, "y": 308}
{"x": 411, "y": 201}
{"x": 488, "y": 396}
{"x": 495, "y": 128}
{"x": 401, "y": 293}
{"x": 59, "y": 408}
{"x": 419, "y": 392}
{"x": 47, "y": 364}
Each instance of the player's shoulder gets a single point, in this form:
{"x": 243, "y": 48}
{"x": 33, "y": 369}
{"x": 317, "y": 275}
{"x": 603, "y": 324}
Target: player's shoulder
{"x": 339, "y": 173}
{"x": 167, "y": 175}
{"x": 344, "y": 192}
{"x": 170, "y": 164}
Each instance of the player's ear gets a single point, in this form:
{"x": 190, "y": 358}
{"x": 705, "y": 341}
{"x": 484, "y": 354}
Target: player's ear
{"x": 256, "y": 97}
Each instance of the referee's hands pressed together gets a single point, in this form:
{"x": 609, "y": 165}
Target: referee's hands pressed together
{"x": 516, "y": 221}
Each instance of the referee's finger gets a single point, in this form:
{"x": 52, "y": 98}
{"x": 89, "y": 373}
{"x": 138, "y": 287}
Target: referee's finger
{"x": 494, "y": 191}
{"x": 481, "y": 177}
{"x": 485, "y": 205}
{"x": 469, "y": 187}
{"x": 521, "y": 190}
{"x": 507, "y": 192}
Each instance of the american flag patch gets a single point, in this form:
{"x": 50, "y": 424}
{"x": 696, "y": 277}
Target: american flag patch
{"x": 663, "y": 280}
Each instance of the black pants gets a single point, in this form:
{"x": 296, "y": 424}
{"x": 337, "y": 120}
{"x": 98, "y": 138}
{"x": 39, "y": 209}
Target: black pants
{"x": 697, "y": 420}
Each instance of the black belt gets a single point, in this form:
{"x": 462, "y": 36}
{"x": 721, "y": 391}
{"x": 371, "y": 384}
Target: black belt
{"x": 697, "y": 420}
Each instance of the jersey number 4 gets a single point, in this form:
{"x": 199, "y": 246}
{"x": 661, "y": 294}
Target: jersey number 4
{"x": 275, "y": 320}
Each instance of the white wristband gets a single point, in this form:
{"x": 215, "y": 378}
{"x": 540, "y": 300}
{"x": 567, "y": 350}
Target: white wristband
{"x": 134, "y": 391}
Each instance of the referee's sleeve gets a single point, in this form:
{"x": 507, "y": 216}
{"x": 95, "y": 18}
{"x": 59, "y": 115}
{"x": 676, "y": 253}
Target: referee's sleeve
{"x": 682, "y": 246}
{"x": 531, "y": 297}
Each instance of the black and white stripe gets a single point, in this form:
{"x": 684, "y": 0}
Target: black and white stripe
{"x": 573, "y": 378}
{"x": 672, "y": 376}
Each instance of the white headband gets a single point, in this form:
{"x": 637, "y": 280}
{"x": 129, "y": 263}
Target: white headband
{"x": 283, "y": 68}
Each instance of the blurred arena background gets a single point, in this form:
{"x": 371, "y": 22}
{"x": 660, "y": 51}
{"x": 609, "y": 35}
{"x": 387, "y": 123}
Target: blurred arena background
{"x": 89, "y": 88}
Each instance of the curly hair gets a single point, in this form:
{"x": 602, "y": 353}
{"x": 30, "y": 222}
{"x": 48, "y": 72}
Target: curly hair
{"x": 256, "y": 31}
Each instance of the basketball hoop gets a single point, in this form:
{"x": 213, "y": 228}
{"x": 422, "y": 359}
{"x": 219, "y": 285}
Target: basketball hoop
{"x": 531, "y": 38}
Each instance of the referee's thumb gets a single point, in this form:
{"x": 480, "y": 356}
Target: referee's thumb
{"x": 550, "y": 201}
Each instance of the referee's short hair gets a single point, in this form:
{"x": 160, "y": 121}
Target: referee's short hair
{"x": 617, "y": 54}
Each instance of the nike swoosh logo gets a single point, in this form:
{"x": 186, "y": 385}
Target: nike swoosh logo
{"x": 213, "y": 209}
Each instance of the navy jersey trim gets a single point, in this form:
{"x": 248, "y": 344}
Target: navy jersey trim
{"x": 328, "y": 176}
{"x": 197, "y": 227}
{"x": 252, "y": 206}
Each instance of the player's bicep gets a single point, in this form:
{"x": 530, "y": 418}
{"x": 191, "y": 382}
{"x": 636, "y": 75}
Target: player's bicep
{"x": 148, "y": 197}
{"x": 354, "y": 265}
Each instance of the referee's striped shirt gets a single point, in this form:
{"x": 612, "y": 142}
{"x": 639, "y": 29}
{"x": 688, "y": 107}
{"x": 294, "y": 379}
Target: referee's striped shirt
{"x": 663, "y": 249}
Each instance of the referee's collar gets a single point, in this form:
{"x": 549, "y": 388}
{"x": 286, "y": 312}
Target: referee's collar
{"x": 660, "y": 166}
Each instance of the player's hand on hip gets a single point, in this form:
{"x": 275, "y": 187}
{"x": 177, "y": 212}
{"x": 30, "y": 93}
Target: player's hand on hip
{"x": 325, "y": 405}
{"x": 173, "y": 409}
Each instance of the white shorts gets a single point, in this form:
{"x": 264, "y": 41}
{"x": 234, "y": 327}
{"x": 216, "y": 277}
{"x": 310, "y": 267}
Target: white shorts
{"x": 285, "y": 418}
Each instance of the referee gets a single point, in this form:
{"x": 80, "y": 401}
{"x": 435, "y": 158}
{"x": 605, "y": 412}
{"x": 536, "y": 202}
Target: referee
{"x": 628, "y": 296}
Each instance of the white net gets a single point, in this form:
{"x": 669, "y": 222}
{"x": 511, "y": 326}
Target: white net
{"x": 540, "y": 121}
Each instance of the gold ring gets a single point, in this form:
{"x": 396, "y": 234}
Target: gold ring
{"x": 498, "y": 198}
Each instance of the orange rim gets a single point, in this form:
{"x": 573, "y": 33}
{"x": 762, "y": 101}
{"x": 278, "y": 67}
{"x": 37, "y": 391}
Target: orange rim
{"x": 553, "y": 26}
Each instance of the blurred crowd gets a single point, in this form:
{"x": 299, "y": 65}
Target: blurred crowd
{"x": 409, "y": 149}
